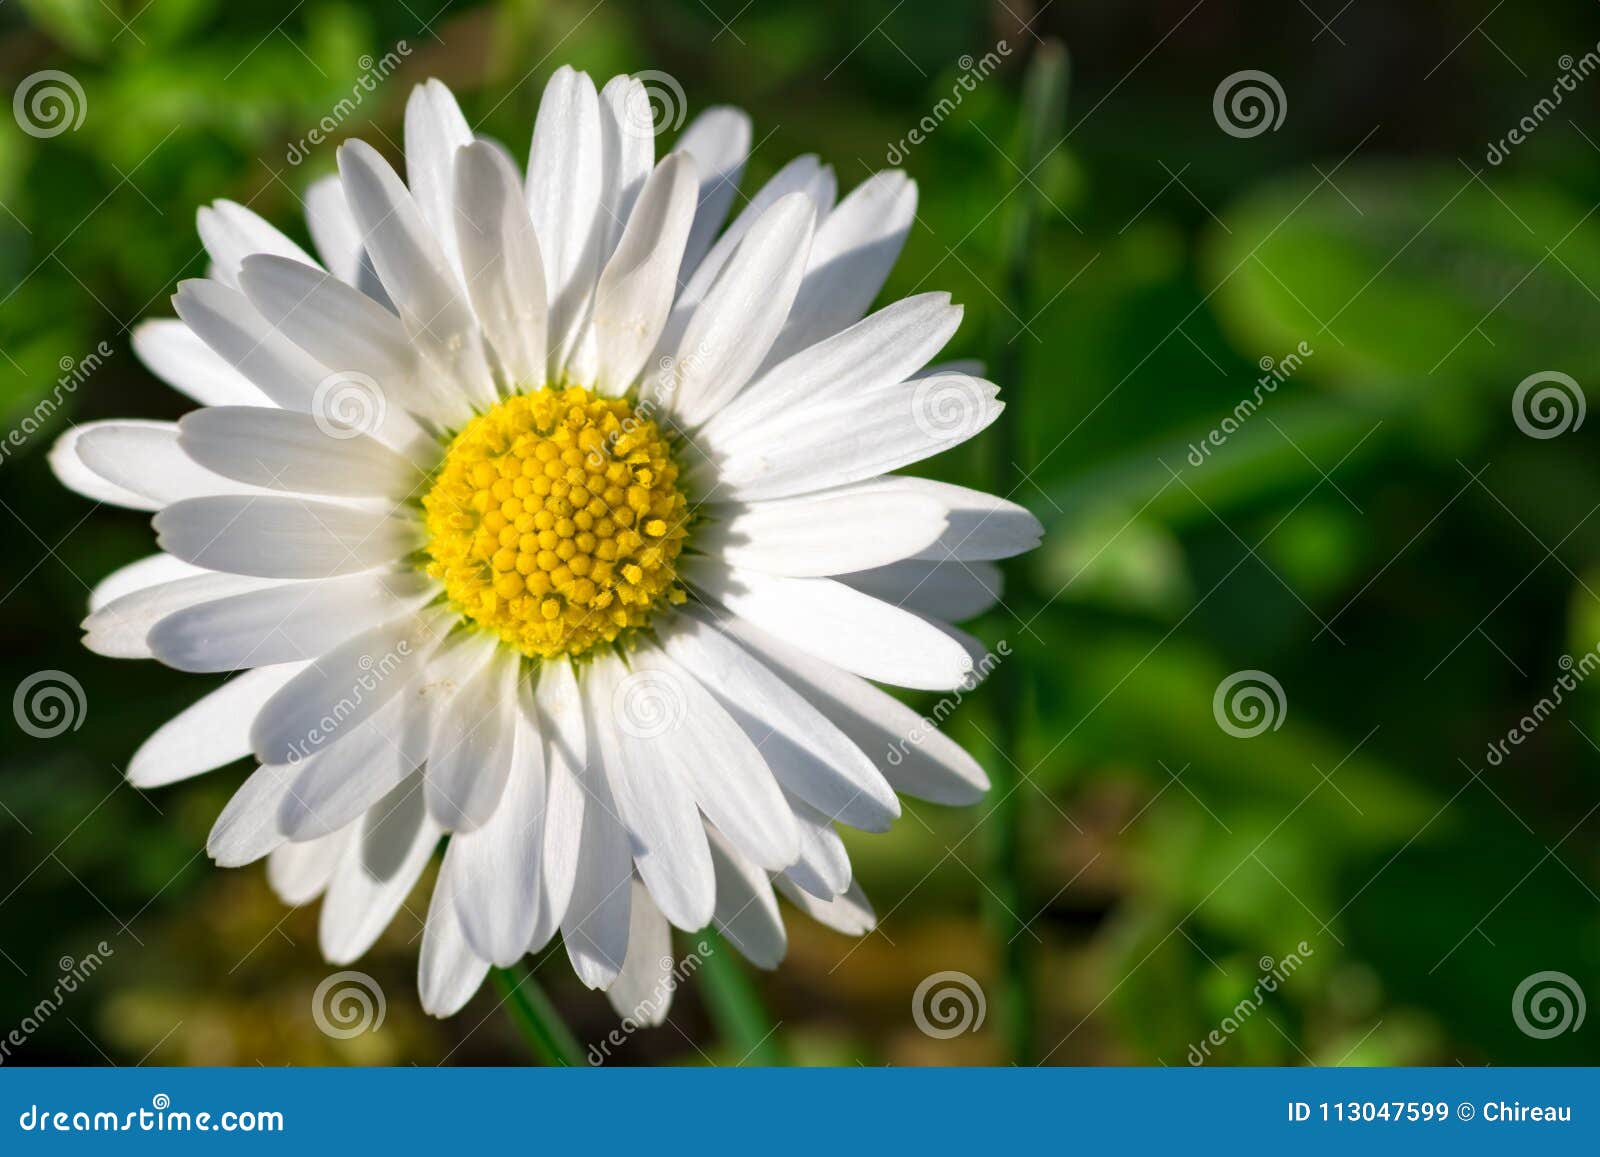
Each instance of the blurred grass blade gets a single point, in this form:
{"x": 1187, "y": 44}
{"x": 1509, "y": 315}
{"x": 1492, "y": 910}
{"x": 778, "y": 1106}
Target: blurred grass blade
{"x": 541, "y": 1025}
{"x": 735, "y": 1008}
{"x": 1279, "y": 454}
{"x": 1043, "y": 113}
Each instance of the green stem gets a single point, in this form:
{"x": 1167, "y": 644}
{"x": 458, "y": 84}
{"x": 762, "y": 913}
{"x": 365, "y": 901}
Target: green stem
{"x": 1044, "y": 106}
{"x": 736, "y": 1007}
{"x": 541, "y": 1025}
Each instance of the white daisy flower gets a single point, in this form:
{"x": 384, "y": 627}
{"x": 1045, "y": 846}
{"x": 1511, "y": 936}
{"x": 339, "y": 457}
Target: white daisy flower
{"x": 544, "y": 515}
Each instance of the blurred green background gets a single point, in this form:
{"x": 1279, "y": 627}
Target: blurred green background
{"x": 1380, "y": 536}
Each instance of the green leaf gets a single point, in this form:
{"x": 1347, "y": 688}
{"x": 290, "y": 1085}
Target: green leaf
{"x": 1400, "y": 275}
{"x": 85, "y": 27}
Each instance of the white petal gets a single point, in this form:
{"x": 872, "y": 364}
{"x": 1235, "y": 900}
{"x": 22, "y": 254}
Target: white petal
{"x": 247, "y": 829}
{"x": 982, "y": 526}
{"x": 230, "y": 233}
{"x": 338, "y": 238}
{"x": 120, "y": 629}
{"x": 210, "y": 733}
{"x": 497, "y": 878}
{"x": 417, "y": 275}
{"x": 734, "y": 326}
{"x": 642, "y": 991}
{"x": 145, "y": 458}
{"x": 811, "y": 757}
{"x": 453, "y": 661}
{"x": 983, "y": 661}
{"x": 719, "y": 141}
{"x": 338, "y": 691}
{"x": 559, "y": 709}
{"x": 840, "y": 625}
{"x": 849, "y": 913}
{"x": 802, "y": 175}
{"x": 638, "y": 285}
{"x": 335, "y": 787}
{"x": 878, "y": 351}
{"x": 448, "y": 971}
{"x": 140, "y": 460}
{"x": 830, "y": 443}
{"x": 178, "y": 357}
{"x": 953, "y": 590}
{"x": 595, "y": 926}
{"x": 563, "y": 189}
{"x": 371, "y": 363}
{"x": 832, "y": 532}
{"x": 855, "y": 247}
{"x": 149, "y": 571}
{"x": 280, "y": 450}
{"x": 234, "y": 329}
{"x": 823, "y": 868}
{"x": 298, "y": 873}
{"x": 501, "y": 262}
{"x": 71, "y": 471}
{"x": 628, "y": 152}
{"x": 473, "y": 748}
{"x": 434, "y": 130}
{"x": 282, "y": 537}
{"x": 914, "y": 755}
{"x": 747, "y": 912}
{"x": 376, "y": 873}
{"x": 721, "y": 765}
{"x": 653, "y": 802}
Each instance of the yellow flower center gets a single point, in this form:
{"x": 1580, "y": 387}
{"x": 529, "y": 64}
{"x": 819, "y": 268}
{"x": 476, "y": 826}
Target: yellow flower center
{"x": 555, "y": 519}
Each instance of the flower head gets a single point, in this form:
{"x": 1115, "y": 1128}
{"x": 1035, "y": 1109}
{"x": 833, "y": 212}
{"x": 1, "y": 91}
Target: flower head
{"x": 554, "y": 515}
